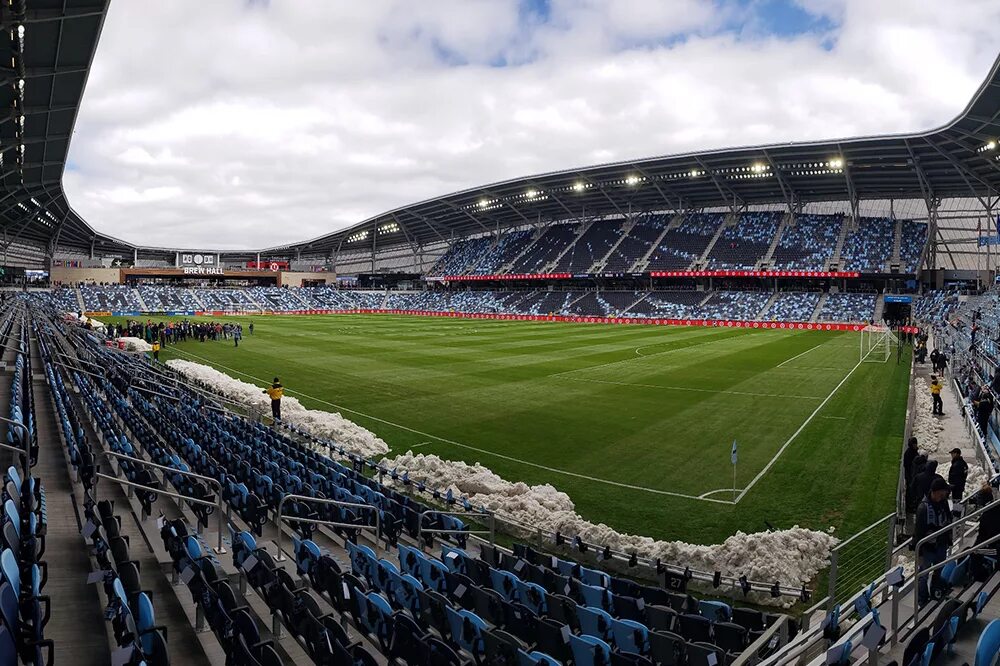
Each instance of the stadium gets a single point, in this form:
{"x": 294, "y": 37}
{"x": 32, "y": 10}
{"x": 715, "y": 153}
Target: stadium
{"x": 726, "y": 406}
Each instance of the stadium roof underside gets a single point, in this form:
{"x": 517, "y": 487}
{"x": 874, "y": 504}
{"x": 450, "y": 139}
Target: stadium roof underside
{"x": 51, "y": 46}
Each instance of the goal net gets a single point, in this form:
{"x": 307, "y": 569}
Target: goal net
{"x": 877, "y": 344}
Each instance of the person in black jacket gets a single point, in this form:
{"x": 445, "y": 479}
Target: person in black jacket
{"x": 933, "y": 513}
{"x": 922, "y": 482}
{"x": 957, "y": 474}
{"x": 909, "y": 454}
{"x": 984, "y": 409}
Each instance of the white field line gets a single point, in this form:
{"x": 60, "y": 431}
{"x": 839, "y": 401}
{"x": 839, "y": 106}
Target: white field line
{"x": 795, "y": 434}
{"x": 838, "y": 418}
{"x": 459, "y": 444}
{"x": 696, "y": 390}
{"x": 417, "y": 446}
{"x": 712, "y": 492}
{"x": 782, "y": 364}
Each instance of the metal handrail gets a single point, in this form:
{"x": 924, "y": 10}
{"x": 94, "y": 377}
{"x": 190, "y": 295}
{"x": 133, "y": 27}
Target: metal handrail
{"x": 26, "y": 451}
{"x": 918, "y": 572}
{"x": 835, "y": 555}
{"x": 329, "y": 523}
{"x": 482, "y": 514}
{"x": 952, "y": 525}
{"x": 221, "y": 549}
{"x": 777, "y": 630}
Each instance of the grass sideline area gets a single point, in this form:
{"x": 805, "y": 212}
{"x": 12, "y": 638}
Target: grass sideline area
{"x": 651, "y": 407}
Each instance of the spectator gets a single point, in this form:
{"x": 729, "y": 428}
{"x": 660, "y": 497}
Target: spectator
{"x": 250, "y": 328}
{"x": 984, "y": 409}
{"x": 957, "y": 474}
{"x": 938, "y": 407}
{"x": 156, "y": 350}
{"x": 276, "y": 392}
{"x": 909, "y": 455}
{"x": 934, "y": 360}
{"x": 933, "y": 513}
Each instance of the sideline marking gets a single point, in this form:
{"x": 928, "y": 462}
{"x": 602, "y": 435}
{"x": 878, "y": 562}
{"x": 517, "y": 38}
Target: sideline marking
{"x": 795, "y": 434}
{"x": 465, "y": 446}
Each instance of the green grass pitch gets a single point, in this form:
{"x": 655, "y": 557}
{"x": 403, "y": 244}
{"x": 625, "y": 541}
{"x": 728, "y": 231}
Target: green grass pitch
{"x": 635, "y": 423}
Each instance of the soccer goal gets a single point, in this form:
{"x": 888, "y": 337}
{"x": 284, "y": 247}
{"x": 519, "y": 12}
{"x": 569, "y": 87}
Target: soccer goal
{"x": 877, "y": 343}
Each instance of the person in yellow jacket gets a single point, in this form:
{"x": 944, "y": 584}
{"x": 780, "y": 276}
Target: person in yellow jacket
{"x": 276, "y": 392}
{"x": 156, "y": 350}
{"x": 938, "y": 407}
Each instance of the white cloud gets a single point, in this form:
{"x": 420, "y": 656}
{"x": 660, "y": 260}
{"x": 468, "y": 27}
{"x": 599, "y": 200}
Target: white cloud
{"x": 245, "y": 125}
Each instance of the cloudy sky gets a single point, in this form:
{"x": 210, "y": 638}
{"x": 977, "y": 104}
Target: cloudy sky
{"x": 251, "y": 123}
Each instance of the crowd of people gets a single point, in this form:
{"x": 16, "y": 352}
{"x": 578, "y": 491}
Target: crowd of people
{"x": 170, "y": 332}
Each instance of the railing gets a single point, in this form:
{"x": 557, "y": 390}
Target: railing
{"x": 861, "y": 558}
{"x": 329, "y": 523}
{"x": 218, "y": 503}
{"x": 421, "y": 530}
{"x": 950, "y": 527}
{"x": 26, "y": 451}
{"x": 773, "y": 637}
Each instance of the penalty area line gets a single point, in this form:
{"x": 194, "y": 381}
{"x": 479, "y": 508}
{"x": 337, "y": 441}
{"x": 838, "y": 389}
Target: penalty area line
{"x": 795, "y": 434}
{"x": 546, "y": 468}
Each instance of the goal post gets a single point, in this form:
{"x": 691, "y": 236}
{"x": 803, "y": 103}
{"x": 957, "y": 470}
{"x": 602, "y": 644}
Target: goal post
{"x": 877, "y": 344}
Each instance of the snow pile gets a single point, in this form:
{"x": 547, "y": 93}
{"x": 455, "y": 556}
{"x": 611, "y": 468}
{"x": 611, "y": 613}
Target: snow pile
{"x": 791, "y": 556}
{"x": 318, "y": 423}
{"x": 135, "y": 344}
{"x": 927, "y": 428}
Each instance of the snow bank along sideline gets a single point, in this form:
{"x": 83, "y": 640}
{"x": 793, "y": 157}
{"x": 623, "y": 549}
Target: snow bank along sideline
{"x": 318, "y": 423}
{"x": 791, "y": 556}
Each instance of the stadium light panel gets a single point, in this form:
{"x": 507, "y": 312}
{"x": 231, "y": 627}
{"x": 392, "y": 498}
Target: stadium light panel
{"x": 836, "y": 163}
{"x": 632, "y": 180}
{"x": 20, "y": 31}
{"x": 694, "y": 173}
{"x": 757, "y": 167}
{"x": 483, "y": 203}
{"x": 579, "y": 187}
{"x": 988, "y": 146}
{"x": 531, "y": 194}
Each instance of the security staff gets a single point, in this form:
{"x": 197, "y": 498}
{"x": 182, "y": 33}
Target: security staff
{"x": 276, "y": 392}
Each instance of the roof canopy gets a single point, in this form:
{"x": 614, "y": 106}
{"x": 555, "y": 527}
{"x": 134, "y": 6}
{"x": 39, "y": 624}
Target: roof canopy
{"x": 52, "y": 45}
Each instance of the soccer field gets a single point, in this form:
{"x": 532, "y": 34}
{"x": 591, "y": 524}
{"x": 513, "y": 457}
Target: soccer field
{"x": 635, "y": 423}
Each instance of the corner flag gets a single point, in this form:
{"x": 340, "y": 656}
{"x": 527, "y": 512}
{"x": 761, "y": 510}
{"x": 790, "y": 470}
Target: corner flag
{"x": 734, "y": 455}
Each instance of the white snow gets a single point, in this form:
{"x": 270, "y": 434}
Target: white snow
{"x": 318, "y": 423}
{"x": 135, "y": 344}
{"x": 927, "y": 428}
{"x": 792, "y": 556}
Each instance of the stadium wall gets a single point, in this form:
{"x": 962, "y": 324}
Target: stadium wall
{"x": 295, "y": 278}
{"x": 72, "y": 275}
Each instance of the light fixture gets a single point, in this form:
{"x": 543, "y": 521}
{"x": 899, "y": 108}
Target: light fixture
{"x": 483, "y": 203}
{"x": 757, "y": 167}
{"x": 694, "y": 173}
{"x": 631, "y": 180}
{"x": 836, "y": 163}
{"x": 531, "y": 194}
{"x": 578, "y": 187}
